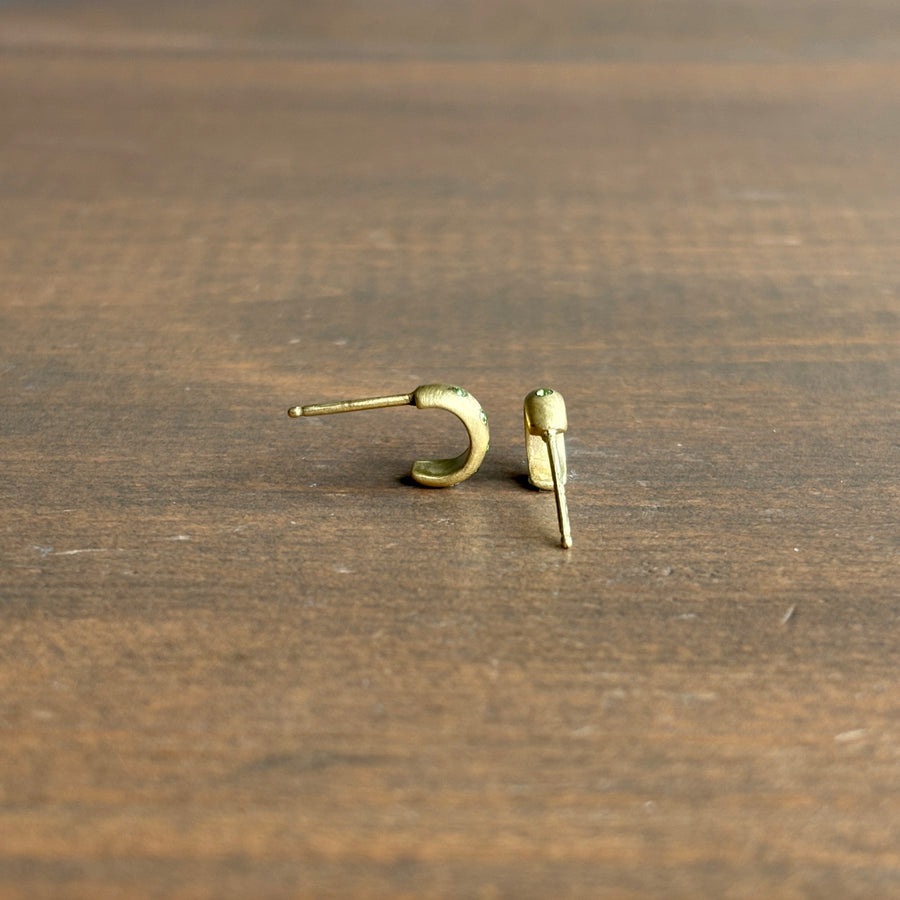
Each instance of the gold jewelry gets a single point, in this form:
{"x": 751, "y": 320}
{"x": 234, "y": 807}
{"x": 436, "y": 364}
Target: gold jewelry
{"x": 430, "y": 472}
{"x": 545, "y": 424}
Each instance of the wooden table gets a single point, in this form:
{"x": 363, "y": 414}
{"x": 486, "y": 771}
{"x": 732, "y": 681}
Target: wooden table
{"x": 244, "y": 656}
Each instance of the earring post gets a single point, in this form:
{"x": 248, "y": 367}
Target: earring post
{"x": 559, "y": 486}
{"x": 341, "y": 406}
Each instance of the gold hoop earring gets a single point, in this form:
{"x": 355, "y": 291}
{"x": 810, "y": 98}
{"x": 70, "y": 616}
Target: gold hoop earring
{"x": 430, "y": 472}
{"x": 545, "y": 424}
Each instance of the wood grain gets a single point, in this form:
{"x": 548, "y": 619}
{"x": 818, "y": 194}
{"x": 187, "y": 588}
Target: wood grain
{"x": 245, "y": 656}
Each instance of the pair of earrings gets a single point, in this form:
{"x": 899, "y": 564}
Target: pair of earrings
{"x": 545, "y": 424}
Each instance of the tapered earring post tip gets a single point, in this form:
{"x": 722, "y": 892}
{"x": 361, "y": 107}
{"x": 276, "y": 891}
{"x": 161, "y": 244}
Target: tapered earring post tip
{"x": 295, "y": 412}
{"x": 556, "y": 452}
{"x": 562, "y": 510}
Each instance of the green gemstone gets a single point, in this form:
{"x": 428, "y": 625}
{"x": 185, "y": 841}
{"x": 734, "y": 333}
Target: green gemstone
{"x": 484, "y": 417}
{"x": 543, "y": 392}
{"x": 459, "y": 392}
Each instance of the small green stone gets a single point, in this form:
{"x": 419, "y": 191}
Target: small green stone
{"x": 484, "y": 417}
{"x": 543, "y": 392}
{"x": 459, "y": 392}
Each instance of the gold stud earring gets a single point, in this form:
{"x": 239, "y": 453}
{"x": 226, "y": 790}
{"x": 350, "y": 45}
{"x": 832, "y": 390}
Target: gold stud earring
{"x": 545, "y": 424}
{"x": 430, "y": 472}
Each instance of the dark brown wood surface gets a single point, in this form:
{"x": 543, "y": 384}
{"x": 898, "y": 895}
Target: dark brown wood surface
{"x": 243, "y": 656}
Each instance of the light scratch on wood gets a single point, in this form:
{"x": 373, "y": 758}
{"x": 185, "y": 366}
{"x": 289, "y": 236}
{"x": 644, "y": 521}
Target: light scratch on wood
{"x": 86, "y": 550}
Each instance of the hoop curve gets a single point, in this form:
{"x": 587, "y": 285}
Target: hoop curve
{"x": 447, "y": 472}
